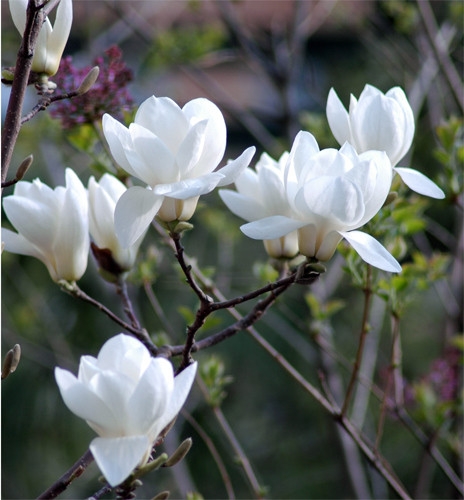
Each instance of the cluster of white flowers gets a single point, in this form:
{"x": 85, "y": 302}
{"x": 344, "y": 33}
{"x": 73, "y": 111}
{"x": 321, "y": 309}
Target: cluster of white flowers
{"x": 310, "y": 199}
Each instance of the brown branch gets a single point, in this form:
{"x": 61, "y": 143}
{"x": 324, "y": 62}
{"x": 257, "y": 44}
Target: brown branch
{"x": 139, "y": 333}
{"x": 35, "y": 16}
{"x": 45, "y": 102}
{"x": 76, "y": 470}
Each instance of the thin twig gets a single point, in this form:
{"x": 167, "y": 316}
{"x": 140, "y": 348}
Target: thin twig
{"x": 76, "y": 470}
{"x": 214, "y": 453}
{"x": 241, "y": 455}
{"x": 441, "y": 54}
{"x": 121, "y": 290}
{"x": 427, "y": 443}
{"x": 157, "y": 308}
{"x": 45, "y": 102}
{"x": 138, "y": 333}
{"x": 243, "y": 459}
{"x": 362, "y": 340}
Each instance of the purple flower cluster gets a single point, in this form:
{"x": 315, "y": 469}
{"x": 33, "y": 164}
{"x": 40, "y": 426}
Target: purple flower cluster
{"x": 109, "y": 94}
{"x": 444, "y": 375}
{"x": 442, "y": 380}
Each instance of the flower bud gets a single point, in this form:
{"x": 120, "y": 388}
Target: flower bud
{"x": 89, "y": 80}
{"x": 180, "y": 453}
{"x": 24, "y": 167}
{"x": 11, "y": 361}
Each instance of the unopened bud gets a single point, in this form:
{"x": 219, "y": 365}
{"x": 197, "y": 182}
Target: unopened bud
{"x": 89, "y": 80}
{"x": 179, "y": 454}
{"x": 11, "y": 361}
{"x": 162, "y": 495}
{"x": 24, "y": 167}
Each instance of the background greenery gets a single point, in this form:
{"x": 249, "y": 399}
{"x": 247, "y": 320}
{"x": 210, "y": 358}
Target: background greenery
{"x": 184, "y": 50}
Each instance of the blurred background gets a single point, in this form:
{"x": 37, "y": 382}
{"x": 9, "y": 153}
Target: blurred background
{"x": 269, "y": 66}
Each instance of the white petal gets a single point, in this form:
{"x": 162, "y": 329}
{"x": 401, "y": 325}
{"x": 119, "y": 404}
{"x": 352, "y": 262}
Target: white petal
{"x": 163, "y": 117}
{"x": 304, "y": 147}
{"x": 33, "y": 219}
{"x": 338, "y": 118}
{"x": 18, "y": 14}
{"x": 134, "y": 212}
{"x": 189, "y": 188}
{"x": 371, "y": 251}
{"x": 16, "y": 243}
{"x": 270, "y": 228}
{"x": 247, "y": 184}
{"x": 234, "y": 168}
{"x": 191, "y": 149}
{"x": 119, "y": 141}
{"x": 215, "y": 133}
{"x": 182, "y": 385}
{"x": 152, "y": 161}
{"x": 419, "y": 183}
{"x": 118, "y": 457}
{"x": 242, "y": 206}
{"x": 151, "y": 397}
{"x": 83, "y": 402}
{"x": 114, "y": 353}
{"x": 59, "y": 35}
{"x": 72, "y": 235}
{"x": 336, "y": 199}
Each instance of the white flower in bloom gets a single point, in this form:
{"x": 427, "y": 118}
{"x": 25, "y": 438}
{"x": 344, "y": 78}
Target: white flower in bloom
{"x": 383, "y": 122}
{"x": 51, "y": 41}
{"x": 103, "y": 196}
{"x": 174, "y": 151}
{"x": 262, "y": 194}
{"x": 127, "y": 397}
{"x": 331, "y": 193}
{"x": 52, "y": 225}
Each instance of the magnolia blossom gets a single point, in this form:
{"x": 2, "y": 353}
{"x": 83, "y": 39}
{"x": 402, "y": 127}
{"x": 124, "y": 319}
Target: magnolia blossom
{"x": 174, "y": 152}
{"x": 52, "y": 225}
{"x": 383, "y": 122}
{"x": 103, "y": 197}
{"x": 51, "y": 41}
{"x": 331, "y": 193}
{"x": 261, "y": 194}
{"x": 127, "y": 397}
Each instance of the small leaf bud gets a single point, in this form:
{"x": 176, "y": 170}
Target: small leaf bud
{"x": 179, "y": 454}
{"x": 89, "y": 80}
{"x": 11, "y": 361}
{"x": 24, "y": 167}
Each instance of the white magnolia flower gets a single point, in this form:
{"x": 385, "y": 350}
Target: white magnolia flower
{"x": 103, "y": 196}
{"x": 383, "y": 122}
{"x": 174, "y": 151}
{"x": 261, "y": 194}
{"x": 52, "y": 225}
{"x": 51, "y": 41}
{"x": 127, "y": 397}
{"x": 331, "y": 193}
